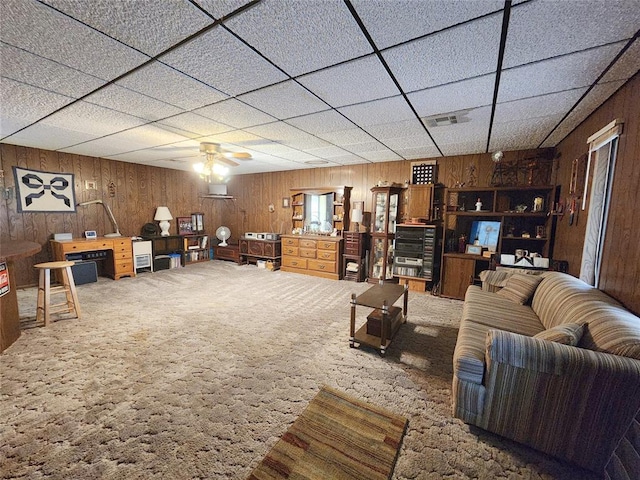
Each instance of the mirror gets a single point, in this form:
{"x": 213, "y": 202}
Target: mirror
{"x": 318, "y": 213}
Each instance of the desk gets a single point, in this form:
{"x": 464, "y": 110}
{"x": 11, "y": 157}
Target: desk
{"x": 379, "y": 297}
{"x": 9, "y": 315}
{"x": 119, "y": 261}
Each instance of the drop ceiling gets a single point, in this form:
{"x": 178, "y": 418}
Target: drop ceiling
{"x": 307, "y": 83}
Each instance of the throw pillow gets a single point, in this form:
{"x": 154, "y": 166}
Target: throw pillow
{"x": 520, "y": 288}
{"x": 568, "y": 334}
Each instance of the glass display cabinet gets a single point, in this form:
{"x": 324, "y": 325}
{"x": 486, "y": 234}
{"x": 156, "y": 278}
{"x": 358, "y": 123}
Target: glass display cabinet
{"x": 386, "y": 212}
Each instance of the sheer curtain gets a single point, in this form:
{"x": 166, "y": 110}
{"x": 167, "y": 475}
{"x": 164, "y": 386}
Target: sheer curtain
{"x": 600, "y": 167}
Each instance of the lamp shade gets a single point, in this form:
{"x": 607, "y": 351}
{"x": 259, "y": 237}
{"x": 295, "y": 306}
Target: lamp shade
{"x": 356, "y": 215}
{"x": 163, "y": 213}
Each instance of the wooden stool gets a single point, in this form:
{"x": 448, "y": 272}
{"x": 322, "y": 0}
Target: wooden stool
{"x": 68, "y": 287}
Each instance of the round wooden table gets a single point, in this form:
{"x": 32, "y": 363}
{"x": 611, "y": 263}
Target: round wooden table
{"x": 9, "y": 316}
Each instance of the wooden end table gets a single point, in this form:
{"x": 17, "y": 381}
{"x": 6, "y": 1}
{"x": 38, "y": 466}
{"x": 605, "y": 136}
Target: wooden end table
{"x": 379, "y": 297}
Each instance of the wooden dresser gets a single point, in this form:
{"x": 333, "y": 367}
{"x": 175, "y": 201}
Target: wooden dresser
{"x": 316, "y": 255}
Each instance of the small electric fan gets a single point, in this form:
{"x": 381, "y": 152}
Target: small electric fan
{"x": 223, "y": 233}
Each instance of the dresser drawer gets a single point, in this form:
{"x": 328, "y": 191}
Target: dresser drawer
{"x": 323, "y": 266}
{"x": 123, "y": 266}
{"x": 291, "y": 251}
{"x": 306, "y": 243}
{"x": 308, "y": 252}
{"x": 327, "y": 255}
{"x": 118, "y": 256}
{"x": 294, "y": 262}
{"x": 326, "y": 245}
{"x": 290, "y": 242}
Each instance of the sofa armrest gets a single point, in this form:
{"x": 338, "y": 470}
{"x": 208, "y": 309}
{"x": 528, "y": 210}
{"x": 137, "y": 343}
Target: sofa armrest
{"x": 570, "y": 402}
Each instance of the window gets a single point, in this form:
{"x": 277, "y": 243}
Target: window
{"x": 600, "y": 167}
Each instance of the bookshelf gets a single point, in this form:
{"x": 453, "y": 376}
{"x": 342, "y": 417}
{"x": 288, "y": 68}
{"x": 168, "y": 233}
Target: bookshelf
{"x": 196, "y": 248}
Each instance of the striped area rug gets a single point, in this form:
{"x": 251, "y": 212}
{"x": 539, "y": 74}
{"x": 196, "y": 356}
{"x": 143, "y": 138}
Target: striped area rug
{"x": 336, "y": 437}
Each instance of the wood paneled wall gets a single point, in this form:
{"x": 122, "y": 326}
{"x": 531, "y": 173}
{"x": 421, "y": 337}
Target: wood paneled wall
{"x": 139, "y": 189}
{"x": 621, "y": 261}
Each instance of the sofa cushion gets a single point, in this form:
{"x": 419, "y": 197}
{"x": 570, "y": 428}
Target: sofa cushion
{"x": 613, "y": 330}
{"x": 561, "y": 298}
{"x": 567, "y": 334}
{"x": 520, "y": 288}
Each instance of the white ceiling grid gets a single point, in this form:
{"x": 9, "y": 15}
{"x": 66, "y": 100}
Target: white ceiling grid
{"x": 296, "y": 82}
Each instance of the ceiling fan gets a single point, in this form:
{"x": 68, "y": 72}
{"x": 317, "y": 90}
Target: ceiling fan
{"x": 217, "y": 161}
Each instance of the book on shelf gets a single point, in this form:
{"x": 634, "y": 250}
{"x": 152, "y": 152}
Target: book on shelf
{"x": 203, "y": 241}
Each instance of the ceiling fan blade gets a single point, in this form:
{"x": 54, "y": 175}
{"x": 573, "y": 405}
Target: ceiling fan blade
{"x": 226, "y": 161}
{"x": 239, "y": 155}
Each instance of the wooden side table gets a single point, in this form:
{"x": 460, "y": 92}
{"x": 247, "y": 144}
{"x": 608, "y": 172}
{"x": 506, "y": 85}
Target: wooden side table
{"x": 381, "y": 298}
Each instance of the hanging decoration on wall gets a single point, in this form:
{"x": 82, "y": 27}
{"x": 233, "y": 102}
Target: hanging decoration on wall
{"x": 39, "y": 191}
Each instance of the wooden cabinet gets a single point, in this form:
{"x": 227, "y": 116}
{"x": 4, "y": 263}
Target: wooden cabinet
{"x": 502, "y": 220}
{"x": 315, "y": 255}
{"x": 386, "y": 212}
{"x": 320, "y": 210}
{"x": 416, "y": 258}
{"x": 196, "y": 247}
{"x": 252, "y": 250}
{"x": 354, "y": 256}
{"x": 230, "y": 252}
{"x": 424, "y": 202}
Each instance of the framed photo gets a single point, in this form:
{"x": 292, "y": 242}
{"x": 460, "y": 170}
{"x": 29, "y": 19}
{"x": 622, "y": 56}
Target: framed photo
{"x": 285, "y": 202}
{"x": 185, "y": 226}
{"x": 474, "y": 249}
{"x": 90, "y": 234}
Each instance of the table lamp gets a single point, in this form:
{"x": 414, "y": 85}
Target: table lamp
{"x": 163, "y": 215}
{"x": 356, "y": 217}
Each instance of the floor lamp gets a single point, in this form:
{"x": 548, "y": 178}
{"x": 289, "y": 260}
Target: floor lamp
{"x": 109, "y": 214}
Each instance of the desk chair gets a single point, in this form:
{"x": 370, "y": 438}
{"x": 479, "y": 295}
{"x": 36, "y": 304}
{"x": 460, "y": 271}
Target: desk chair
{"x": 68, "y": 287}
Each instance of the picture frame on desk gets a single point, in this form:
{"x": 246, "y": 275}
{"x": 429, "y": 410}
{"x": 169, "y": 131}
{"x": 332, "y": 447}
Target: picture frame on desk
{"x": 185, "y": 226}
{"x": 474, "y": 249}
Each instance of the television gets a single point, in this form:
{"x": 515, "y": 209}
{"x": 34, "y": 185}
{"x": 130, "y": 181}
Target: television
{"x": 487, "y": 234}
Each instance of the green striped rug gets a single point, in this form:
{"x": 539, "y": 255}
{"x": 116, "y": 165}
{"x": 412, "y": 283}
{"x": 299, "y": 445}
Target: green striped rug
{"x": 336, "y": 437}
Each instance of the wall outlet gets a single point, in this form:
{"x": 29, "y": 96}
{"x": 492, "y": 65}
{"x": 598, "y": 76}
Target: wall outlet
{"x": 90, "y": 185}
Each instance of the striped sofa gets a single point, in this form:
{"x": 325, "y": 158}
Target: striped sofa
{"x": 579, "y": 403}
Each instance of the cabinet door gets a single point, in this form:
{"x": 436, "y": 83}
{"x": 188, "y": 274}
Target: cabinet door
{"x": 419, "y": 201}
{"x": 380, "y": 220}
{"x": 457, "y": 275}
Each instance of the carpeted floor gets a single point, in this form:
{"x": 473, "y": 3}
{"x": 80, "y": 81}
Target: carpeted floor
{"x": 196, "y": 372}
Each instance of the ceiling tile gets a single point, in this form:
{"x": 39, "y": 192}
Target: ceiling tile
{"x": 379, "y": 112}
{"x": 41, "y": 30}
{"x": 31, "y": 69}
{"x": 470, "y": 134}
{"x": 407, "y": 128}
{"x": 148, "y": 26}
{"x": 283, "y": 152}
{"x": 278, "y": 132}
{"x": 556, "y": 74}
{"x": 24, "y": 104}
{"x": 139, "y": 138}
{"x": 163, "y": 83}
{"x": 409, "y": 141}
{"x": 127, "y": 101}
{"x": 394, "y": 21}
{"x": 328, "y": 152}
{"x": 590, "y": 102}
{"x": 92, "y": 119}
{"x": 539, "y": 30}
{"x": 321, "y": 122}
{"x": 346, "y": 137}
{"x": 48, "y": 137}
{"x": 380, "y": 156}
{"x": 302, "y": 37}
{"x": 220, "y": 60}
{"x": 195, "y": 124}
{"x": 418, "y": 152}
{"x": 626, "y": 66}
{"x": 452, "y": 97}
{"x": 357, "y": 81}
{"x": 536, "y": 107}
{"x": 221, "y": 8}
{"x": 462, "y": 52}
{"x": 367, "y": 146}
{"x": 235, "y": 113}
{"x": 284, "y": 100}
{"x": 522, "y": 134}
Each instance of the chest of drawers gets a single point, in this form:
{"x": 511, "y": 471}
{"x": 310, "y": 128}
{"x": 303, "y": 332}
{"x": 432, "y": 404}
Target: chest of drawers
{"x": 319, "y": 256}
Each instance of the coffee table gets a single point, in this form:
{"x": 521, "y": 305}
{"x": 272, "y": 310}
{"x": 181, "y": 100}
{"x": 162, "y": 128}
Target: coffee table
{"x": 379, "y": 297}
